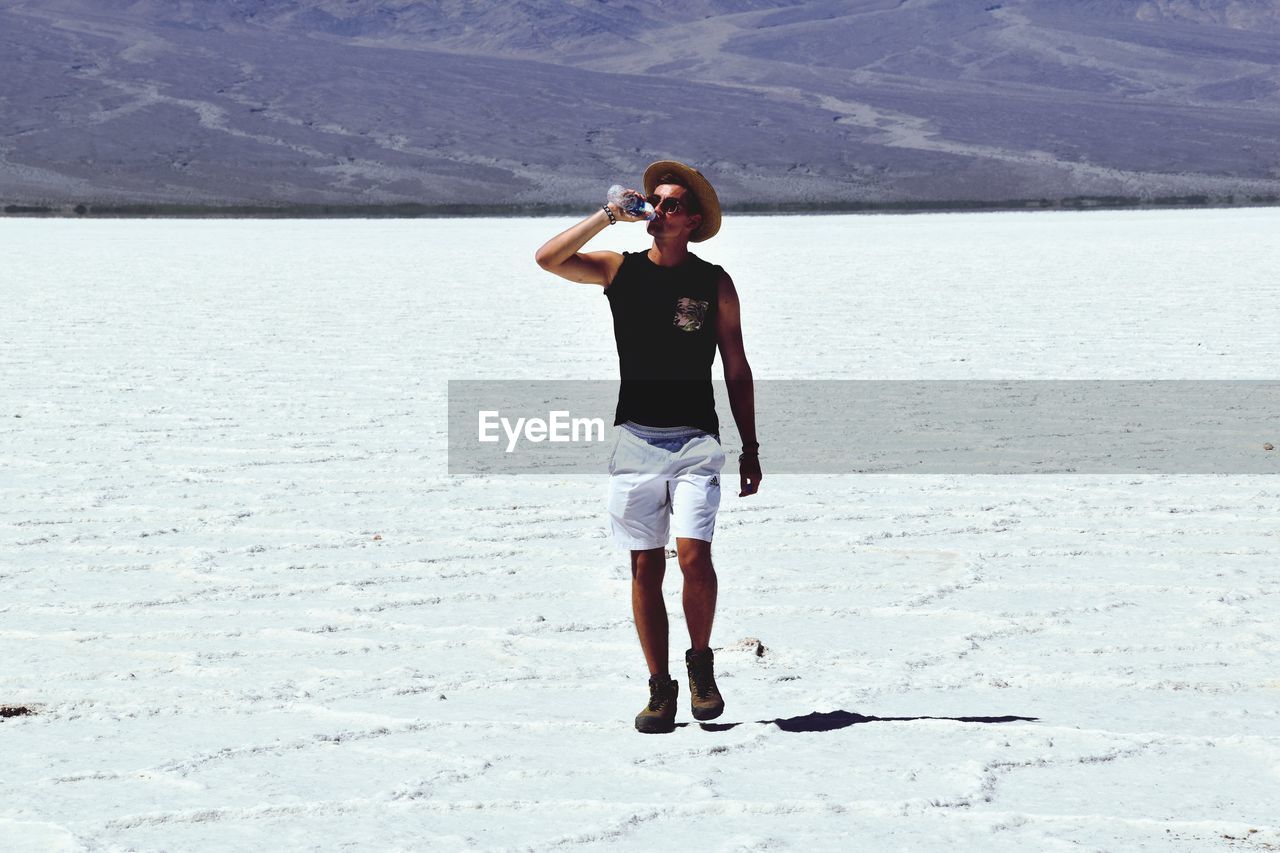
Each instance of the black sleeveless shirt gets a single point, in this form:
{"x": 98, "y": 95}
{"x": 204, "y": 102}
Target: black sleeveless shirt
{"x": 664, "y": 322}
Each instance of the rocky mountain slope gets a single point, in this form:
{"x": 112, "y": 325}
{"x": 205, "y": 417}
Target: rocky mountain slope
{"x": 545, "y": 101}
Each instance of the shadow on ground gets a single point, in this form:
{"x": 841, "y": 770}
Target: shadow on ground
{"x": 820, "y": 721}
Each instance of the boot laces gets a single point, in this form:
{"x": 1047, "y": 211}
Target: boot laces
{"x": 703, "y": 679}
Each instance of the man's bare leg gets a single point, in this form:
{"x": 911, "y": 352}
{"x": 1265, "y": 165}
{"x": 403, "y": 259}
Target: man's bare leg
{"x": 647, "y": 571}
{"x": 700, "y": 587}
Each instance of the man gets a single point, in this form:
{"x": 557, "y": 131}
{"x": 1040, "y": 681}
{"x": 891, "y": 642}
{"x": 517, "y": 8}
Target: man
{"x": 671, "y": 310}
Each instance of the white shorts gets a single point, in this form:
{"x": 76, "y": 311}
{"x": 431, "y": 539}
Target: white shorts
{"x": 650, "y": 486}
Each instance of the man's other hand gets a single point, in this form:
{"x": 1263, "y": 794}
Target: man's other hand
{"x": 749, "y": 475}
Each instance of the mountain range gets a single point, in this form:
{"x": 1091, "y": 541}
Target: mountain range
{"x": 546, "y": 102}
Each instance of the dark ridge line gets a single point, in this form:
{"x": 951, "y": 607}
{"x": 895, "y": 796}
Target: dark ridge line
{"x": 441, "y": 211}
{"x": 15, "y": 711}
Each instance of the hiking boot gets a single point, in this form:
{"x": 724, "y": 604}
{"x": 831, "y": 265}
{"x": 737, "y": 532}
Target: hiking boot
{"x": 704, "y": 696}
{"x": 659, "y": 716}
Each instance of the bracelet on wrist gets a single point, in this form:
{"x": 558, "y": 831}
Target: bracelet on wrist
{"x": 608, "y": 211}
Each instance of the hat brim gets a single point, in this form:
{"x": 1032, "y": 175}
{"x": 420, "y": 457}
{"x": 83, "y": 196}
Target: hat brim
{"x": 708, "y": 201}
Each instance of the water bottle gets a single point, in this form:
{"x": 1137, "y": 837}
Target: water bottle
{"x": 631, "y": 202}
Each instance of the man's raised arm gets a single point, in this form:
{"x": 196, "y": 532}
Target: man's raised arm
{"x": 560, "y": 254}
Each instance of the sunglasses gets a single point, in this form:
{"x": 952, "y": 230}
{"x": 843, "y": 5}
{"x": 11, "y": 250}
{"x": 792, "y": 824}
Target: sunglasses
{"x": 667, "y": 205}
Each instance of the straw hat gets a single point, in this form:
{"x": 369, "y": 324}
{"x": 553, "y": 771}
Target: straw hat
{"x": 708, "y": 201}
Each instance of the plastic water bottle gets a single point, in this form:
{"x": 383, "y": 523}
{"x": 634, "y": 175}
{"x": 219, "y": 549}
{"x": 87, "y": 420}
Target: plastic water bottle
{"x": 631, "y": 202}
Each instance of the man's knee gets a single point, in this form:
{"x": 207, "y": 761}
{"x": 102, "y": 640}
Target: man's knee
{"x": 695, "y": 558}
{"x": 648, "y": 567}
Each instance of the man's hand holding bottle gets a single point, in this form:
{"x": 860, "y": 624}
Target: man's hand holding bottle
{"x": 629, "y": 205}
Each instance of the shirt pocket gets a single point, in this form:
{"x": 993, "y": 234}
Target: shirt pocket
{"x": 690, "y": 313}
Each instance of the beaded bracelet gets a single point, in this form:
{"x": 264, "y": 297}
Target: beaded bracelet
{"x": 613, "y": 220}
